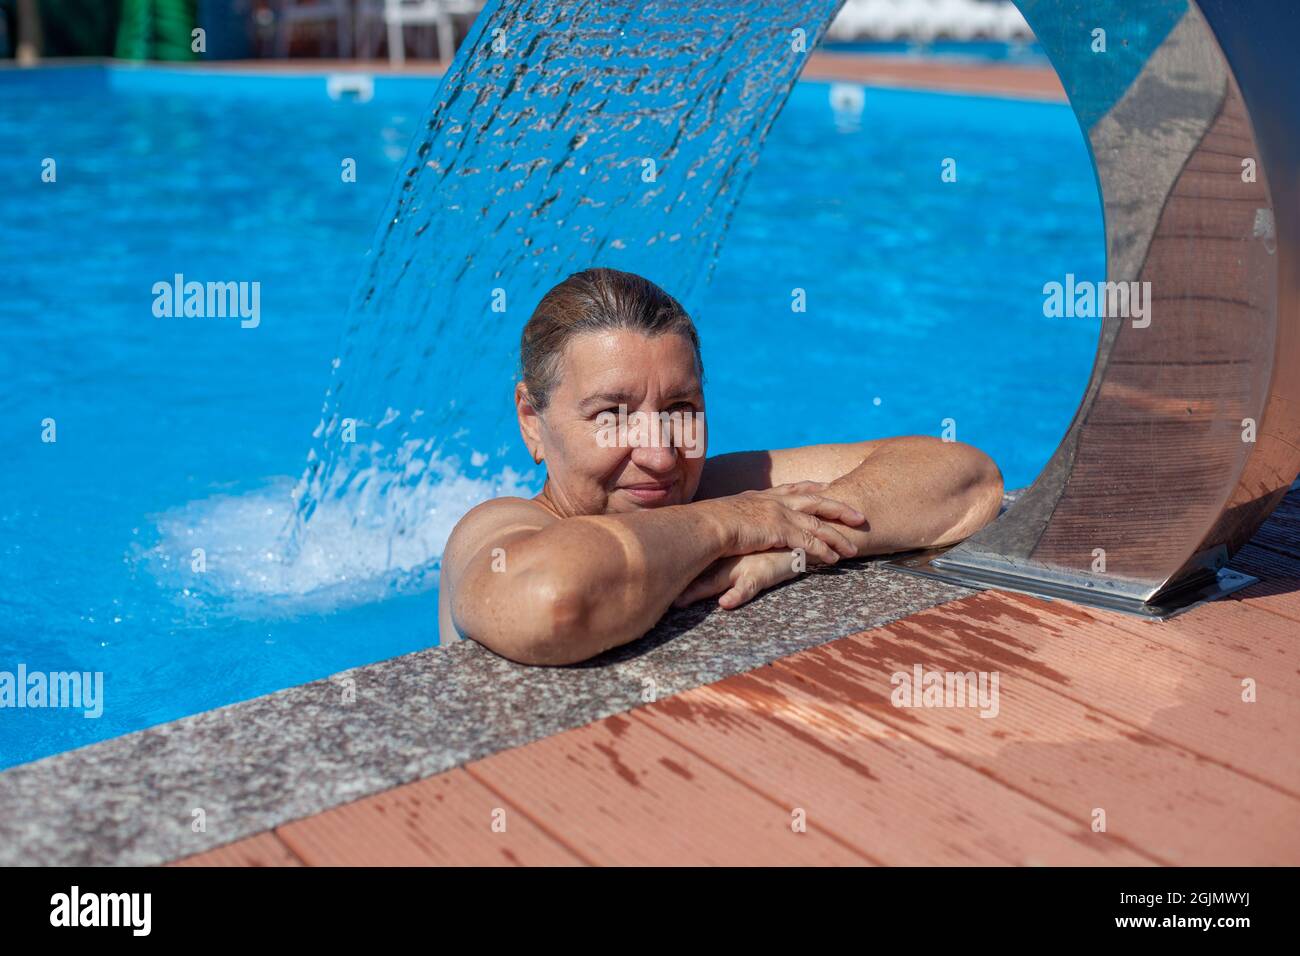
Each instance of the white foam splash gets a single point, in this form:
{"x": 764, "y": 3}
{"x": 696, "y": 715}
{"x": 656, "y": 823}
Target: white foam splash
{"x": 348, "y": 555}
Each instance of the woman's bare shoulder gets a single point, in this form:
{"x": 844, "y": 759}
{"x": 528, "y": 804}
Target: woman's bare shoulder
{"x": 490, "y": 522}
{"x": 495, "y": 508}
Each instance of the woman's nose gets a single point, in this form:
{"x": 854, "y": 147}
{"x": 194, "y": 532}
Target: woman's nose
{"x": 660, "y": 458}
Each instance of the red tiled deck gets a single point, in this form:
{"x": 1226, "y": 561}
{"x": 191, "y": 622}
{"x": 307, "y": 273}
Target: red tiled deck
{"x": 1143, "y": 720}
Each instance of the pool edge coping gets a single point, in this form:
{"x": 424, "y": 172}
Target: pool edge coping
{"x": 249, "y": 766}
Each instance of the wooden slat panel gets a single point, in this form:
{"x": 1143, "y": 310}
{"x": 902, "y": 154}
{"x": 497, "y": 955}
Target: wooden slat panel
{"x": 1281, "y": 532}
{"x": 1169, "y": 694}
{"x": 262, "y": 849}
{"x": 1211, "y": 162}
{"x": 1278, "y": 591}
{"x": 1154, "y": 426}
{"x": 620, "y": 793}
{"x": 1071, "y": 755}
{"x": 1227, "y": 218}
{"x": 1224, "y": 138}
{"x": 1231, "y": 634}
{"x": 445, "y": 820}
{"x": 881, "y": 790}
{"x": 1194, "y": 183}
{"x": 1279, "y": 538}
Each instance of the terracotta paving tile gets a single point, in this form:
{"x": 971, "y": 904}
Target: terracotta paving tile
{"x": 444, "y": 820}
{"x": 1070, "y": 753}
{"x": 893, "y": 797}
{"x": 1234, "y": 635}
{"x": 262, "y": 849}
{"x": 1167, "y": 694}
{"x": 621, "y": 793}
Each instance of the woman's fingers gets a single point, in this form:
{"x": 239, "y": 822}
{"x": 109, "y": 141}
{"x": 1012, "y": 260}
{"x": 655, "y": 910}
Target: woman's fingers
{"x": 740, "y": 579}
{"x": 740, "y": 593}
{"x": 803, "y": 533}
{"x": 694, "y": 592}
{"x": 714, "y": 579}
{"x": 793, "y": 516}
{"x": 802, "y": 487}
{"x": 827, "y": 508}
{"x": 827, "y": 536}
{"x": 755, "y": 573}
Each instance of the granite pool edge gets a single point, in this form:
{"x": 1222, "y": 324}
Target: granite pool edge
{"x": 209, "y": 779}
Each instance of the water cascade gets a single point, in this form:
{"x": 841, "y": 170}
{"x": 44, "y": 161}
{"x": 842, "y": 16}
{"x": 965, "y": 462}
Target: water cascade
{"x": 565, "y": 135}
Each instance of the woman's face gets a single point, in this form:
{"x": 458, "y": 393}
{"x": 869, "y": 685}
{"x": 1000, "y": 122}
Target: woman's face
{"x": 603, "y": 460}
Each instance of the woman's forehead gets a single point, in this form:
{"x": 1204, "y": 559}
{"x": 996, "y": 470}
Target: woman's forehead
{"x": 629, "y": 361}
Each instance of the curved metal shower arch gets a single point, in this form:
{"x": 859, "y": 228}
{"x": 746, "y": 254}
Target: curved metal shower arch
{"x": 1188, "y": 434}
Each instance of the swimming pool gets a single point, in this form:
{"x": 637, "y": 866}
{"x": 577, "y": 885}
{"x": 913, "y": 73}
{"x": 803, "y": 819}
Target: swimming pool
{"x": 924, "y": 304}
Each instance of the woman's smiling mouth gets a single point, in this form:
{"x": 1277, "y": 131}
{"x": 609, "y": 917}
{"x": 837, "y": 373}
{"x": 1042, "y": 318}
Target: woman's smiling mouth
{"x": 649, "y": 492}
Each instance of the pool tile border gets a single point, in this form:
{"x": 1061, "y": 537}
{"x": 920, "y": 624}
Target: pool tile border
{"x": 255, "y": 765}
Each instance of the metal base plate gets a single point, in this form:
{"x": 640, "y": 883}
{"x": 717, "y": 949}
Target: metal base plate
{"x": 1225, "y": 582}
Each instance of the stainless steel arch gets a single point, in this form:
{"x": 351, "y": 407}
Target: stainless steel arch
{"x": 1188, "y": 434}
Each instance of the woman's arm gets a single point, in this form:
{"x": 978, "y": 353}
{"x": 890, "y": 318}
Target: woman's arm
{"x": 916, "y": 492}
{"x": 544, "y": 590}
{"x": 919, "y": 492}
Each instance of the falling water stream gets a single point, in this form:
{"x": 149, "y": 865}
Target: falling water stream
{"x": 565, "y": 135}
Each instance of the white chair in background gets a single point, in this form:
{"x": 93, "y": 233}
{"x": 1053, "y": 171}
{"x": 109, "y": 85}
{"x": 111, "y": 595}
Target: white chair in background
{"x": 1012, "y": 26}
{"x": 959, "y": 19}
{"x": 850, "y": 23}
{"x": 289, "y": 13}
{"x": 396, "y": 15}
{"x": 927, "y": 20}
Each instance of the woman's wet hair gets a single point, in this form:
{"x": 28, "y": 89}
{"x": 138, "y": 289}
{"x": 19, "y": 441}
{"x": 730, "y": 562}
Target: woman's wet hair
{"x": 595, "y": 300}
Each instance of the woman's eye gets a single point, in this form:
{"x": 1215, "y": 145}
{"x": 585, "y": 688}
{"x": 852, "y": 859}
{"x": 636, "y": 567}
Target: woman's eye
{"x": 682, "y": 407}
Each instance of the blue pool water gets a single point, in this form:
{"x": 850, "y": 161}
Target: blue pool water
{"x": 924, "y": 304}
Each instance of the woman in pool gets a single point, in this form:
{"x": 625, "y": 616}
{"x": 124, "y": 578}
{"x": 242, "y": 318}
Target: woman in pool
{"x": 623, "y": 529}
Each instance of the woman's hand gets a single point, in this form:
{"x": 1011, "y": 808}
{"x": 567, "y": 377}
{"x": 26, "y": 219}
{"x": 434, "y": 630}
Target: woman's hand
{"x": 773, "y": 535}
{"x": 742, "y": 578}
{"x": 787, "y": 517}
